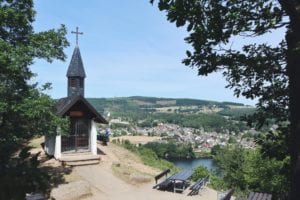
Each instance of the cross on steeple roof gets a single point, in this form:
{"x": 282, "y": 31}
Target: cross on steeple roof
{"x": 77, "y": 33}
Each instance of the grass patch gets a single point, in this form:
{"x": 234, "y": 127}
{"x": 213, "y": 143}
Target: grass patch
{"x": 148, "y": 156}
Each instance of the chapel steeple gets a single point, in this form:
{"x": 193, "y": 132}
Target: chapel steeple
{"x": 76, "y": 73}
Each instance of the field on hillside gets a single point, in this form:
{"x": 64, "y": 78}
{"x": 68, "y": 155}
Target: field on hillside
{"x": 138, "y": 139}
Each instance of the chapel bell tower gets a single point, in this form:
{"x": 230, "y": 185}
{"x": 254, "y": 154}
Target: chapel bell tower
{"x": 76, "y": 73}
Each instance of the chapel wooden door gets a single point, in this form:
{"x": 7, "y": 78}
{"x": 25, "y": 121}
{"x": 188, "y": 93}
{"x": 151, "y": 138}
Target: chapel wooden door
{"x": 78, "y": 140}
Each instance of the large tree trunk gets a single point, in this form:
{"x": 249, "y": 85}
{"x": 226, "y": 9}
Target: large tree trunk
{"x": 293, "y": 70}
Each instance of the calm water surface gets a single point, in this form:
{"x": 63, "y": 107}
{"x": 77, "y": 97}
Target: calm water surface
{"x": 188, "y": 164}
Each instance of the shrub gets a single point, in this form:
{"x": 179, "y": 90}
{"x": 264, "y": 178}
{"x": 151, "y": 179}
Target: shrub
{"x": 200, "y": 172}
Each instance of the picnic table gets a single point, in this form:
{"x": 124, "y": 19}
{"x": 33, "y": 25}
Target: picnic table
{"x": 180, "y": 179}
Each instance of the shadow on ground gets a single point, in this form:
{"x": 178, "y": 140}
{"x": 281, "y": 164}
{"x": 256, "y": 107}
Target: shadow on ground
{"x": 99, "y": 152}
{"x": 27, "y": 172}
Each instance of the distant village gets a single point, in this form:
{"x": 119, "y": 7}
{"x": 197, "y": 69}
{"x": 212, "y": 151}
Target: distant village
{"x": 202, "y": 140}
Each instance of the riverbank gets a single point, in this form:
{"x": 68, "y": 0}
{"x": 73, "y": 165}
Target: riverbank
{"x": 203, "y": 154}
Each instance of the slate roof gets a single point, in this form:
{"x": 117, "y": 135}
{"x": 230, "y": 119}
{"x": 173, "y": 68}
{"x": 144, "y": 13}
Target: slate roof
{"x": 63, "y": 105}
{"x": 76, "y": 68}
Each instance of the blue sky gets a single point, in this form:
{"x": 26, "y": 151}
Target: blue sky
{"x": 128, "y": 49}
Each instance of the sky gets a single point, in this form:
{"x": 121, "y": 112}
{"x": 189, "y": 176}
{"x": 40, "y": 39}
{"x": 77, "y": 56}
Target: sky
{"x": 128, "y": 49}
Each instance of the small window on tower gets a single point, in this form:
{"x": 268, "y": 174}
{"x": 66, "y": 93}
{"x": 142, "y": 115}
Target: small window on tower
{"x": 81, "y": 83}
{"x": 72, "y": 82}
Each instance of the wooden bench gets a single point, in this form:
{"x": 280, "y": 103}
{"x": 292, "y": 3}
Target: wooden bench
{"x": 164, "y": 183}
{"x": 164, "y": 173}
{"x": 259, "y": 196}
{"x": 197, "y": 186}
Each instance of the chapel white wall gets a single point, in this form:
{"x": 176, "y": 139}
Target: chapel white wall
{"x": 93, "y": 138}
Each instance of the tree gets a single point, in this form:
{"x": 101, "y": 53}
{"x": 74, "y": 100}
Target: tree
{"x": 25, "y": 110}
{"x": 257, "y": 70}
{"x": 233, "y": 163}
{"x": 248, "y": 170}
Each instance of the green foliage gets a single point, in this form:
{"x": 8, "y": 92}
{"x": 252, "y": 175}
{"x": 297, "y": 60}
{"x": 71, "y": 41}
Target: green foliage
{"x": 203, "y": 154}
{"x": 237, "y": 113}
{"x": 24, "y": 110}
{"x": 128, "y": 145}
{"x": 210, "y": 122}
{"x": 38, "y": 111}
{"x": 118, "y": 125}
{"x": 267, "y": 174}
{"x": 200, "y": 172}
{"x": 217, "y": 183}
{"x": 215, "y": 149}
{"x": 171, "y": 150}
{"x": 232, "y": 140}
{"x": 150, "y": 158}
{"x": 248, "y": 170}
{"x": 232, "y": 162}
{"x": 149, "y": 122}
{"x": 273, "y": 143}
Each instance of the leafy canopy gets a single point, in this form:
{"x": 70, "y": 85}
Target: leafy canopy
{"x": 255, "y": 70}
{"x": 25, "y": 111}
{"x": 262, "y": 71}
{"x": 248, "y": 170}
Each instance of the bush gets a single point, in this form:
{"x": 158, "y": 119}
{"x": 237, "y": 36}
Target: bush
{"x": 150, "y": 158}
{"x": 171, "y": 150}
{"x": 128, "y": 145}
{"x": 200, "y": 172}
{"x": 217, "y": 183}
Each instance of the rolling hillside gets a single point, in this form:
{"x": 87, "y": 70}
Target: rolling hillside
{"x": 150, "y": 111}
{"x": 138, "y": 102}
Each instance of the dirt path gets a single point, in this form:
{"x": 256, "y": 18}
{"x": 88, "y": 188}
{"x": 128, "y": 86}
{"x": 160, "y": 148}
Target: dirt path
{"x": 107, "y": 186}
{"x": 101, "y": 176}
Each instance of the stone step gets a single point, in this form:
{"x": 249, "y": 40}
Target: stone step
{"x": 81, "y": 163}
{"x": 79, "y": 157}
{"x": 76, "y": 154}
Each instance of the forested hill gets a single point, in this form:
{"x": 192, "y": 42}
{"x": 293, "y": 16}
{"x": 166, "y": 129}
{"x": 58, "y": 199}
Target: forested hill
{"x": 159, "y": 102}
{"x": 168, "y": 105}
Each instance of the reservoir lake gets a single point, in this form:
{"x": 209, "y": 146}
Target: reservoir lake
{"x": 192, "y": 163}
